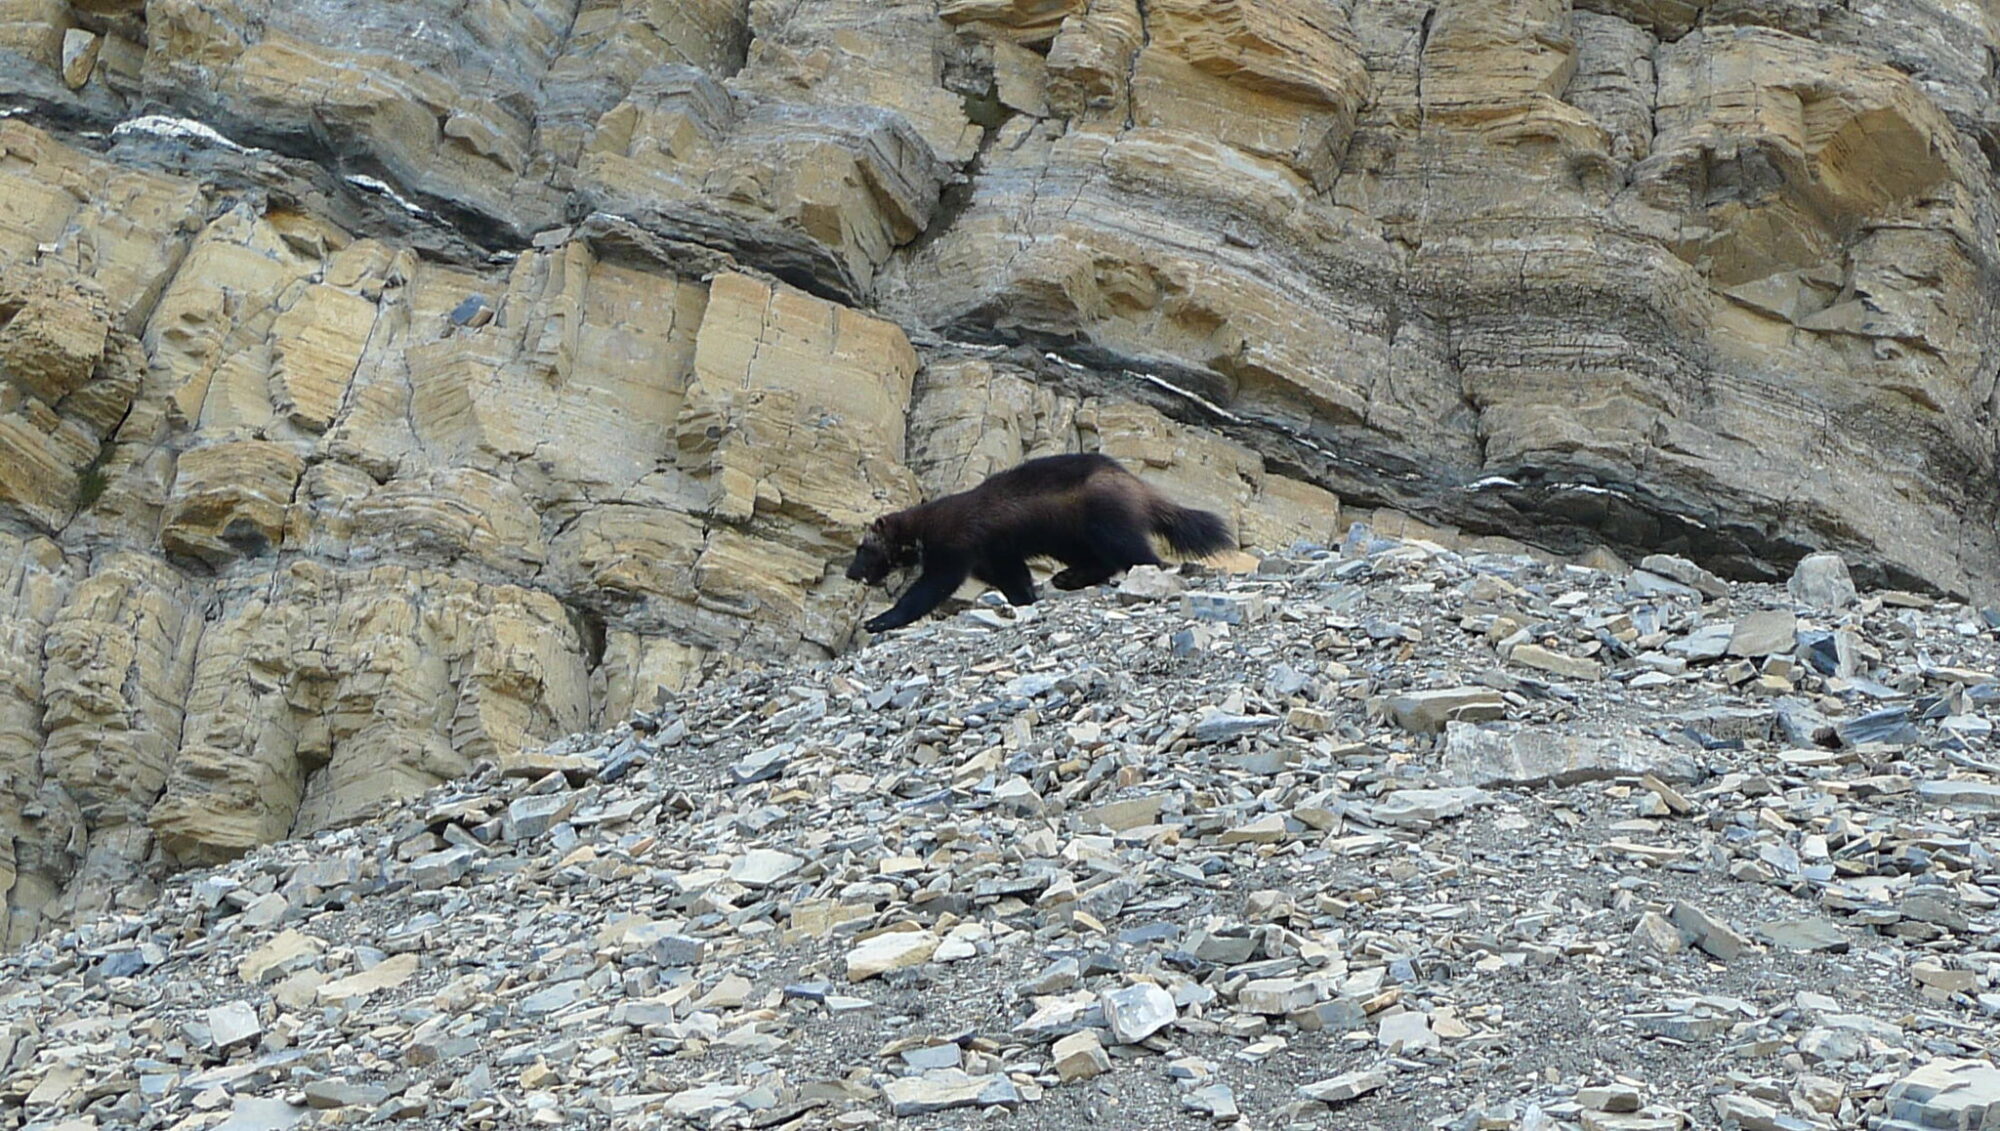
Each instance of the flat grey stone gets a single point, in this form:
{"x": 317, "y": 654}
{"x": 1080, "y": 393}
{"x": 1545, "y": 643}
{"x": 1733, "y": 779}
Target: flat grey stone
{"x": 1803, "y": 935}
{"x": 1220, "y": 727}
{"x": 249, "y": 1113}
{"x": 1707, "y": 932}
{"x": 1225, "y": 608}
{"x": 1889, "y": 725}
{"x": 1961, "y": 1095}
{"x": 1275, "y": 996}
{"x": 531, "y": 816}
{"x": 677, "y": 950}
{"x": 1149, "y": 583}
{"x": 763, "y": 765}
{"x": 1686, "y": 572}
{"x": 438, "y": 869}
{"x": 1427, "y": 712}
{"x": 1346, "y": 1086}
{"x": 325, "y": 1094}
{"x": 1215, "y": 1101}
{"x": 762, "y": 867}
{"x": 1708, "y": 642}
{"x": 549, "y": 1000}
{"x": 1508, "y": 756}
{"x": 1645, "y": 583}
{"x": 926, "y": 1057}
{"x": 948, "y": 1088}
{"x": 1971, "y": 796}
{"x": 1769, "y": 632}
{"x": 1418, "y": 807}
{"x": 1406, "y": 1033}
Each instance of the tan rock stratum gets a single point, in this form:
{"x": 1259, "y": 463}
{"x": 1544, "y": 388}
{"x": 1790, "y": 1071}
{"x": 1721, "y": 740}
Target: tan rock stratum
{"x": 386, "y": 386}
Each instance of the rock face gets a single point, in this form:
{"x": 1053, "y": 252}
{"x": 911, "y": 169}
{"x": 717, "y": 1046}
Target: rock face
{"x": 384, "y": 387}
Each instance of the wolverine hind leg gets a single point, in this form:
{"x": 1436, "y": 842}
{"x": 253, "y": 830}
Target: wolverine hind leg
{"x": 1082, "y": 577}
{"x": 1112, "y": 552}
{"x": 1118, "y": 541}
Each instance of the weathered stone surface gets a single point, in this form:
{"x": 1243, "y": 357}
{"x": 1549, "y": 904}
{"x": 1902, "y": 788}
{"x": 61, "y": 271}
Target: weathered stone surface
{"x": 1766, "y": 633}
{"x": 1080, "y": 1056}
{"x": 1429, "y": 711}
{"x": 1706, "y": 931}
{"x": 1822, "y": 581}
{"x": 384, "y": 975}
{"x": 1947, "y": 1092}
{"x": 1137, "y": 1011}
{"x": 261, "y": 964}
{"x": 948, "y": 1088}
{"x": 232, "y": 1024}
{"x": 1346, "y": 1086}
{"x": 1481, "y": 756}
{"x": 571, "y": 311}
{"x": 1555, "y": 663}
{"x": 890, "y": 950}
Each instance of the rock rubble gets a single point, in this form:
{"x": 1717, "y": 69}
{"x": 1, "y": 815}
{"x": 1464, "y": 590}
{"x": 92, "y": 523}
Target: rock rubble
{"x": 1135, "y": 859}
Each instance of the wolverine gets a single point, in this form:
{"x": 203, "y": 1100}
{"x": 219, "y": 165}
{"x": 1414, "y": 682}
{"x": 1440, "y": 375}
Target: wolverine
{"x": 1083, "y": 510}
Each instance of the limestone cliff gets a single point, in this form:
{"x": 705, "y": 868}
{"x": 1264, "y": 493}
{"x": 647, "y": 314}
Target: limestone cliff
{"x": 388, "y": 385}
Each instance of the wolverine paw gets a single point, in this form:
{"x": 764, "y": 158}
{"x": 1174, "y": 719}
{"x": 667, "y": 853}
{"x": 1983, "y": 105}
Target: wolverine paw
{"x": 1067, "y": 580}
{"x": 879, "y": 624}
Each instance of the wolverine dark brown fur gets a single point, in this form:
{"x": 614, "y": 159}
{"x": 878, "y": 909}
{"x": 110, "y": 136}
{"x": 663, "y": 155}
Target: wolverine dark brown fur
{"x": 1082, "y": 510}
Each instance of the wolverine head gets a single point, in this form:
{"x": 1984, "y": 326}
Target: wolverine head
{"x": 881, "y": 552}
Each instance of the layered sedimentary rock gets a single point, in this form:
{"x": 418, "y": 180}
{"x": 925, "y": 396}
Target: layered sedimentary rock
{"x": 387, "y": 386}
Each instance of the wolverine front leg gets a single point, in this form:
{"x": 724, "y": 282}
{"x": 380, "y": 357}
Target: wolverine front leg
{"x": 939, "y": 580}
{"x": 1010, "y": 576}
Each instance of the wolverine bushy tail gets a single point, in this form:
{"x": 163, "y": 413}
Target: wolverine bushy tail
{"x": 1190, "y": 532}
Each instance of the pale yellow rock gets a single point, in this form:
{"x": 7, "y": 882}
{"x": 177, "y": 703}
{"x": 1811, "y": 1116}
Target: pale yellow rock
{"x": 842, "y": 194}
{"x": 300, "y": 991}
{"x": 1500, "y": 67}
{"x": 815, "y": 918}
{"x": 1555, "y": 663}
{"x": 34, "y": 28}
{"x": 890, "y": 950}
{"x": 384, "y": 975}
{"x": 119, "y": 661}
{"x": 1277, "y": 80}
{"x": 260, "y": 964}
{"x": 1024, "y": 21}
{"x": 770, "y": 364}
{"x": 1856, "y": 140}
{"x": 64, "y": 382}
{"x": 79, "y": 55}
{"x": 1080, "y": 1056}
{"x": 230, "y": 499}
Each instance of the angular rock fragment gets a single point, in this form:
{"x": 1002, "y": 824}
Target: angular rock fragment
{"x": 890, "y": 950}
{"x": 1137, "y": 1011}
{"x": 949, "y": 1088}
{"x": 1821, "y": 581}
{"x": 1346, "y": 1086}
{"x": 1947, "y": 1092}
{"x": 1427, "y": 712}
{"x": 1508, "y": 756}
{"x": 1080, "y": 1056}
